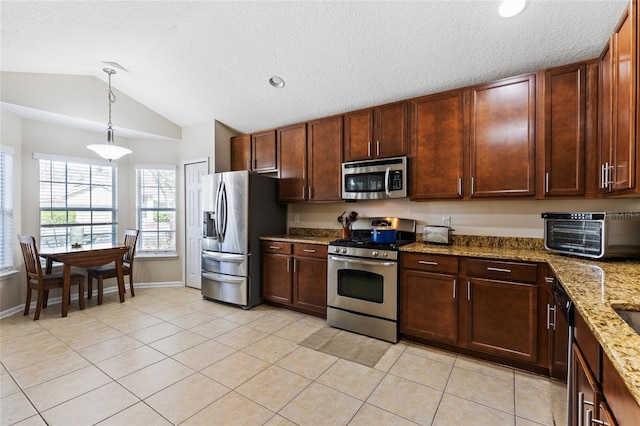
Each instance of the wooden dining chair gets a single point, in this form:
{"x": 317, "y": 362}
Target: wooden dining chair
{"x": 40, "y": 282}
{"x": 109, "y": 271}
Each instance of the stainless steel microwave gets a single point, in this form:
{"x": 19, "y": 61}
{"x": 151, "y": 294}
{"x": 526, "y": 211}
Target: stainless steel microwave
{"x": 375, "y": 179}
{"x": 595, "y": 235}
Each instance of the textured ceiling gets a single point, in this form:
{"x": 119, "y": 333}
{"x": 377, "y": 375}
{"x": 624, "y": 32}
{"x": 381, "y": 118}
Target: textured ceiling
{"x": 197, "y": 61}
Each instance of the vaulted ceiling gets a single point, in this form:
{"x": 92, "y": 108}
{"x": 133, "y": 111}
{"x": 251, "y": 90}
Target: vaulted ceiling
{"x": 193, "y": 61}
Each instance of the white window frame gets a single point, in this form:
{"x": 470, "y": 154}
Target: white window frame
{"x": 91, "y": 224}
{"x": 141, "y": 210}
{"x": 6, "y": 209}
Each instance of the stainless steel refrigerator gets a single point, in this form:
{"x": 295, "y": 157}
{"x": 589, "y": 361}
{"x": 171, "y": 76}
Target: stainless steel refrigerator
{"x": 238, "y": 208}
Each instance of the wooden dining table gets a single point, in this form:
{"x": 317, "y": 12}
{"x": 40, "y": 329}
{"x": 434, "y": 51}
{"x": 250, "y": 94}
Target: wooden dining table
{"x": 85, "y": 257}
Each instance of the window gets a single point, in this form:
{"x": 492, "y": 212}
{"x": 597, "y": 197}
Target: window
{"x": 77, "y": 198}
{"x": 156, "y": 205}
{"x": 6, "y": 208}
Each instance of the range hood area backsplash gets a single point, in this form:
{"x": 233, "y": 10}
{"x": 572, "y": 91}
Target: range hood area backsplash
{"x": 500, "y": 218}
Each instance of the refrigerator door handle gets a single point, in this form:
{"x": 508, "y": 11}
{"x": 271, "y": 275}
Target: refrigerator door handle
{"x": 221, "y": 212}
{"x": 220, "y": 277}
{"x": 224, "y": 257}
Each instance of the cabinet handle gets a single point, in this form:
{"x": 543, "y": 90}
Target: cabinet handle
{"x": 295, "y": 263}
{"x": 603, "y": 176}
{"x": 275, "y": 247}
{"x": 454, "y": 289}
{"x": 426, "y": 262}
{"x": 591, "y": 421}
{"x": 460, "y": 186}
{"x": 549, "y": 280}
{"x": 589, "y": 418}
{"x": 549, "y": 323}
{"x": 368, "y": 149}
{"x": 309, "y": 250}
{"x": 580, "y": 404}
{"x": 310, "y": 192}
{"x": 468, "y": 290}
{"x": 489, "y": 268}
{"x": 288, "y": 264}
{"x": 377, "y": 148}
{"x": 546, "y": 183}
{"x": 303, "y": 192}
{"x": 472, "y": 185}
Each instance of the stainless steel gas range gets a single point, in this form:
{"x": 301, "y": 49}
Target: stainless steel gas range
{"x": 362, "y": 277}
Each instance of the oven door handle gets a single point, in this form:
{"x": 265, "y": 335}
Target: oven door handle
{"x": 362, "y": 262}
{"x": 220, "y": 277}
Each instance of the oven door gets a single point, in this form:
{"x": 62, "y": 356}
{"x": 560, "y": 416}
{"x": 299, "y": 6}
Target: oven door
{"x": 363, "y": 286}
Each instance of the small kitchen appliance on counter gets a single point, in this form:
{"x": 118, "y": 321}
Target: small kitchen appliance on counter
{"x": 433, "y": 234}
{"x": 362, "y": 277}
{"x": 596, "y": 235}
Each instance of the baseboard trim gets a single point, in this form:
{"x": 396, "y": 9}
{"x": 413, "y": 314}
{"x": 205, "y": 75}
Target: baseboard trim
{"x": 74, "y": 296}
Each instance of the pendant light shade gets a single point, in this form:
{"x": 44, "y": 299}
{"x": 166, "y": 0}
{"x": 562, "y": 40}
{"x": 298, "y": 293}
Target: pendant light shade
{"x": 109, "y": 151}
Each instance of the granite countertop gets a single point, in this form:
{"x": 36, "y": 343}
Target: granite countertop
{"x": 596, "y": 288}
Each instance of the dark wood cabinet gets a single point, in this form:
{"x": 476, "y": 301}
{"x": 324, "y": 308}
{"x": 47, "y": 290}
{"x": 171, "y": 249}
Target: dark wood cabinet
{"x": 586, "y": 395}
{"x": 429, "y": 297}
{"x": 562, "y": 147}
{"x": 619, "y": 112}
{"x": 501, "y": 318}
{"x": 501, "y": 309}
{"x": 241, "y": 152}
{"x": 502, "y": 138}
{"x": 310, "y": 277}
{"x": 377, "y": 132}
{"x": 276, "y": 272}
{"x": 292, "y": 163}
{"x": 438, "y": 139}
{"x": 295, "y": 276}
{"x": 324, "y": 159}
{"x": 263, "y": 151}
{"x": 620, "y": 405}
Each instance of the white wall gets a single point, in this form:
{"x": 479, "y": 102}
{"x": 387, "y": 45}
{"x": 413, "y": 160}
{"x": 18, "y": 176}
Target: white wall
{"x": 513, "y": 218}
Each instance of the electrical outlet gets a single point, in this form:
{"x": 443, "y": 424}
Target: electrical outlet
{"x": 446, "y": 220}
{"x": 296, "y": 218}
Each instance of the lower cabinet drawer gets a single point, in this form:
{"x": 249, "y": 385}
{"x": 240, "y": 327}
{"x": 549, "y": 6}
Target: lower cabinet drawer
{"x": 499, "y": 270}
{"x": 310, "y": 250}
{"x": 430, "y": 263}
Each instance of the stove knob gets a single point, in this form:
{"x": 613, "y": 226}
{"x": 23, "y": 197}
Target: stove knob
{"x": 344, "y": 250}
{"x": 384, "y": 254}
{"x": 336, "y": 250}
{"x": 374, "y": 253}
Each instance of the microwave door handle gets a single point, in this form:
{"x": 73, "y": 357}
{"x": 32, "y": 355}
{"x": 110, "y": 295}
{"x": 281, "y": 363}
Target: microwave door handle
{"x": 386, "y": 181}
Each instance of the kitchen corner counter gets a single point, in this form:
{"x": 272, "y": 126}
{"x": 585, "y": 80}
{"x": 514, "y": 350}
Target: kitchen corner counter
{"x": 596, "y": 288}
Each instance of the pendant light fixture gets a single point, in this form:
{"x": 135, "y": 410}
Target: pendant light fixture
{"x": 110, "y": 151}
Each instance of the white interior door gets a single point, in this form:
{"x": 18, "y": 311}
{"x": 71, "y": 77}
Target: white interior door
{"x": 193, "y": 173}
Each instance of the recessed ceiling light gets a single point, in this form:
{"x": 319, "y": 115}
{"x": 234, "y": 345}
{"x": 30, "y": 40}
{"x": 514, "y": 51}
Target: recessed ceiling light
{"x": 276, "y": 81}
{"x": 510, "y": 8}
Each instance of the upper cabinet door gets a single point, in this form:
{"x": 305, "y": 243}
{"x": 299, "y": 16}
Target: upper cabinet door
{"x": 562, "y": 154}
{"x": 358, "y": 135}
{"x": 379, "y": 132}
{"x": 292, "y": 162}
{"x": 438, "y": 138}
{"x": 625, "y": 77}
{"x": 324, "y": 152}
{"x": 605, "y": 116}
{"x": 241, "y": 152}
{"x": 263, "y": 150}
{"x": 502, "y": 148}
{"x": 391, "y": 130}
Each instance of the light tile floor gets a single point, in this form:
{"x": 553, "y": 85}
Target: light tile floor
{"x": 169, "y": 357}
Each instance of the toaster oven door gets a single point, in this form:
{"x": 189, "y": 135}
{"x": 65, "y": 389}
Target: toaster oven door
{"x": 579, "y": 237}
